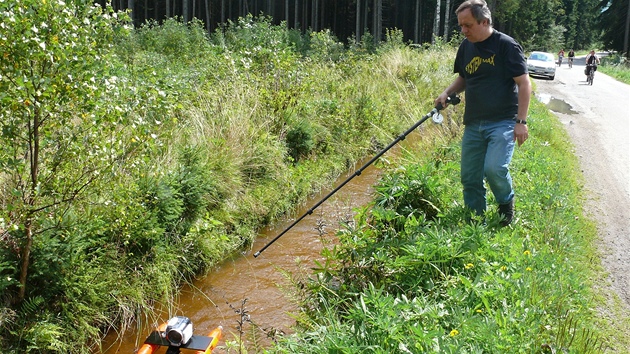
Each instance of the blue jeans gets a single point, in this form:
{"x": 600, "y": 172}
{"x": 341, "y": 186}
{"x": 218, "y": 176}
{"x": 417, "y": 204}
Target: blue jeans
{"x": 487, "y": 149}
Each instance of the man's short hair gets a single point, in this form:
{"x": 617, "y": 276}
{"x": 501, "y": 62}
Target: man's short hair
{"x": 478, "y": 8}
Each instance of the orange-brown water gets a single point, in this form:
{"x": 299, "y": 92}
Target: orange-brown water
{"x": 212, "y": 301}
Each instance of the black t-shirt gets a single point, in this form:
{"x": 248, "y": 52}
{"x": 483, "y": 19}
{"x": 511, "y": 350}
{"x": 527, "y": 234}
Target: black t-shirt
{"x": 489, "y": 68}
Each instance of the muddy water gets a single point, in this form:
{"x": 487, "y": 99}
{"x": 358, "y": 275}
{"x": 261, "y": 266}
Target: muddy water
{"x": 254, "y": 284}
{"x": 556, "y": 105}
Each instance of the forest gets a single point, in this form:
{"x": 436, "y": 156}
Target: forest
{"x": 537, "y": 24}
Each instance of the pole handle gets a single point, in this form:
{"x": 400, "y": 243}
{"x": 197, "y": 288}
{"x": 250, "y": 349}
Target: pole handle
{"x": 452, "y": 99}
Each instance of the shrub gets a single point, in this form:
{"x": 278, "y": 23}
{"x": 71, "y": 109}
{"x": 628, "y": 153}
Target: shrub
{"x": 414, "y": 191}
{"x": 299, "y": 140}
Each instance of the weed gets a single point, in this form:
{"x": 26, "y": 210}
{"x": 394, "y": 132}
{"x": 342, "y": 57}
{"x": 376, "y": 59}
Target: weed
{"x": 411, "y": 276}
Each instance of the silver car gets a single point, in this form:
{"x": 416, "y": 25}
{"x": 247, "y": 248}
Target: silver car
{"x": 541, "y": 64}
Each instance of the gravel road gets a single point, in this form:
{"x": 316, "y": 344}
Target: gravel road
{"x": 597, "y": 119}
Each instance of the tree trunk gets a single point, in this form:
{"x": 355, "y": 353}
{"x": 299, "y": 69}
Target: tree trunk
{"x": 208, "y": 15}
{"x": 168, "y": 8}
{"x": 314, "y": 15}
{"x": 30, "y": 200}
{"x": 314, "y": 18}
{"x": 447, "y": 12}
{"x": 377, "y": 20}
{"x": 130, "y": 6}
{"x": 380, "y": 20}
{"x": 357, "y": 35}
{"x": 26, "y": 259}
{"x": 322, "y": 15}
{"x": 416, "y": 27}
{"x": 365, "y": 17}
{"x": 185, "y": 11}
{"x": 297, "y": 14}
{"x": 222, "y": 11}
{"x": 436, "y": 21}
{"x": 305, "y": 24}
{"x": 286, "y": 12}
{"x": 374, "y": 20}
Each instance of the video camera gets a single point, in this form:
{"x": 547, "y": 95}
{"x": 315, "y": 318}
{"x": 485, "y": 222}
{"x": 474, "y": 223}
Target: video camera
{"x": 177, "y": 334}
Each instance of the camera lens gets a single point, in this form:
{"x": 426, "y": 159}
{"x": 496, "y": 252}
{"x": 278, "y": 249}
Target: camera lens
{"x": 175, "y": 337}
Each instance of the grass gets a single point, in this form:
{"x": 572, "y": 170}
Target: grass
{"x": 236, "y": 129}
{"x": 617, "y": 67}
{"x": 404, "y": 279}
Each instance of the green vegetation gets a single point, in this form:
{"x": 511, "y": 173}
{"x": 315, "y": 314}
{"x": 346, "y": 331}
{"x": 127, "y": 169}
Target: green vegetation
{"x": 134, "y": 160}
{"x": 405, "y": 279}
{"x": 616, "y": 66}
{"x": 613, "y": 21}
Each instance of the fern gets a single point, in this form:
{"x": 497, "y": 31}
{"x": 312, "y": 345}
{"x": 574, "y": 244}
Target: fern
{"x": 32, "y": 306}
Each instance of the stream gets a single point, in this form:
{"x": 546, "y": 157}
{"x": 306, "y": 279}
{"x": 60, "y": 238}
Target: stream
{"x": 255, "y": 284}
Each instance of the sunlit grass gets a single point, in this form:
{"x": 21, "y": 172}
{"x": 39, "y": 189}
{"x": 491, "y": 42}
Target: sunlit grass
{"x": 619, "y": 72}
{"x": 247, "y": 128}
{"x": 400, "y": 283}
{"x": 616, "y": 66}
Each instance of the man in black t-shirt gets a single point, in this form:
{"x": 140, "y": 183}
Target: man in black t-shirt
{"x": 493, "y": 72}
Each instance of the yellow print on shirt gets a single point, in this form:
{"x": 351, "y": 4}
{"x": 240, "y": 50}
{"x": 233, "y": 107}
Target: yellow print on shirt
{"x": 476, "y": 62}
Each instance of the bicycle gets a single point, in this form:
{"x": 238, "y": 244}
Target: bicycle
{"x": 590, "y": 69}
{"x": 570, "y": 60}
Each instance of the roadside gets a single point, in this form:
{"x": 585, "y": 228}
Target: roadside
{"x": 597, "y": 120}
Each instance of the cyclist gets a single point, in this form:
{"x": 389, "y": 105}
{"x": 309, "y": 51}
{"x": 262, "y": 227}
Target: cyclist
{"x": 571, "y": 56}
{"x": 560, "y": 56}
{"x": 591, "y": 63}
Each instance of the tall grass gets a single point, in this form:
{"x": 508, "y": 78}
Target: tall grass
{"x": 241, "y": 126}
{"x": 410, "y": 275}
{"x": 616, "y": 66}
{"x": 237, "y": 129}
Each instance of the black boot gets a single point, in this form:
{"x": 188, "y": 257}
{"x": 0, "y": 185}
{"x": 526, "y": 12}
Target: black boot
{"x": 506, "y": 212}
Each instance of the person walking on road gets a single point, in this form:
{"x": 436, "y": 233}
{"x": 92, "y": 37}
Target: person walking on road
{"x": 493, "y": 72}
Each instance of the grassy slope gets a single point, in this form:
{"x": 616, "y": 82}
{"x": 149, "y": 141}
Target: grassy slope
{"x": 617, "y": 67}
{"x": 219, "y": 166}
{"x": 532, "y": 287}
{"x": 236, "y": 103}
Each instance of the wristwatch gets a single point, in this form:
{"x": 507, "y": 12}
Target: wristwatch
{"x": 520, "y": 121}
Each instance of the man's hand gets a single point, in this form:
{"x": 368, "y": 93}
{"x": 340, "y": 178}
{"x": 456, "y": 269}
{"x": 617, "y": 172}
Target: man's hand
{"x": 521, "y": 133}
{"x": 456, "y": 86}
{"x": 441, "y": 100}
{"x": 524, "y": 91}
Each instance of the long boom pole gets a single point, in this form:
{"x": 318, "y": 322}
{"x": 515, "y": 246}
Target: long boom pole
{"x": 453, "y": 99}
